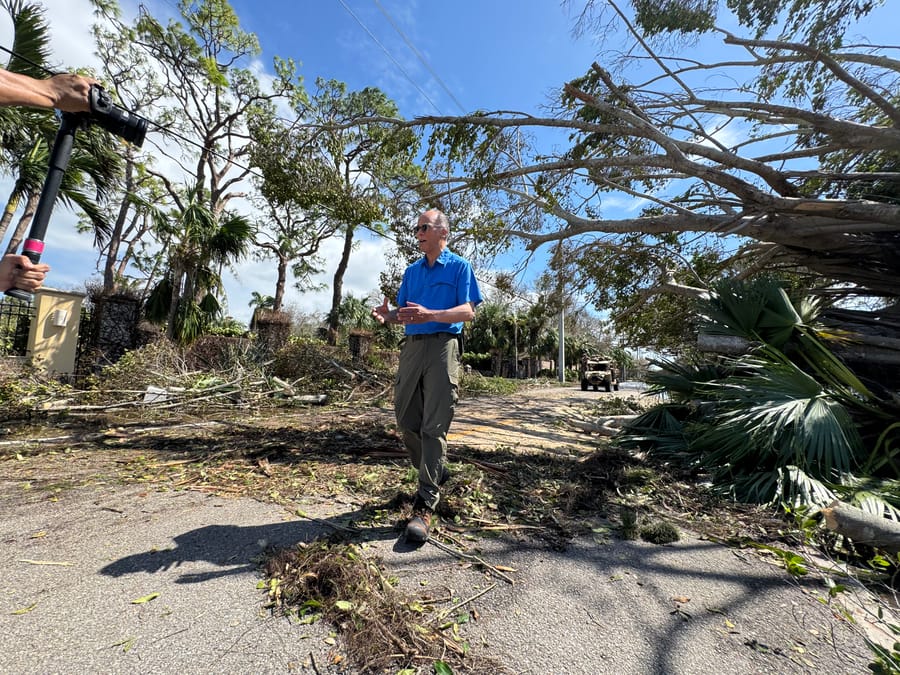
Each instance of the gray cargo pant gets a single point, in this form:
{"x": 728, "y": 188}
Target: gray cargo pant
{"x": 425, "y": 395}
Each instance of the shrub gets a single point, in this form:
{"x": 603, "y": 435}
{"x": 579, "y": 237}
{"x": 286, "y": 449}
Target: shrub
{"x": 474, "y": 384}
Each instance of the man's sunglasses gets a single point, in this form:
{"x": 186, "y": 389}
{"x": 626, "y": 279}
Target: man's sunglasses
{"x": 421, "y": 228}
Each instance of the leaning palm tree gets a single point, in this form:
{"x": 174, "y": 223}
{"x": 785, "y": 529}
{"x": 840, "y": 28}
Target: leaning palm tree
{"x": 93, "y": 168}
{"x": 198, "y": 245}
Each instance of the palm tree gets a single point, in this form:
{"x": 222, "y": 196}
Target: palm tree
{"x": 259, "y": 301}
{"x": 92, "y": 169}
{"x": 491, "y": 332}
{"x": 356, "y": 313}
{"x": 198, "y": 245}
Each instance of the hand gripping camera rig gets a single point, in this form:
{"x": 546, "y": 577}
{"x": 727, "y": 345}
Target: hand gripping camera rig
{"x": 103, "y": 112}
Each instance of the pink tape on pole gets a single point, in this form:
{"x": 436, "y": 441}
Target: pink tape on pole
{"x": 33, "y": 246}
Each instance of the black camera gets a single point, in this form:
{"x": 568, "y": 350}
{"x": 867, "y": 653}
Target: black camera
{"x": 115, "y": 119}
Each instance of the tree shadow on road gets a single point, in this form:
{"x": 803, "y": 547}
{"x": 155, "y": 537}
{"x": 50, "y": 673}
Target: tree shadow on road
{"x": 239, "y": 549}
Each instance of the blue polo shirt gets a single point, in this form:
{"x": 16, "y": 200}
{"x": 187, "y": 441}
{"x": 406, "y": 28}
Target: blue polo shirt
{"x": 450, "y": 282}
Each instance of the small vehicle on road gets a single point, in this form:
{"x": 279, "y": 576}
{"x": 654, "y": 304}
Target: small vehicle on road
{"x": 596, "y": 372}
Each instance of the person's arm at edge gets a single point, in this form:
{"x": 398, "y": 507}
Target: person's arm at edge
{"x": 66, "y": 91}
{"x": 460, "y": 313}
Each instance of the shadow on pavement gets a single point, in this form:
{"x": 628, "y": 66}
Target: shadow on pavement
{"x": 237, "y": 549}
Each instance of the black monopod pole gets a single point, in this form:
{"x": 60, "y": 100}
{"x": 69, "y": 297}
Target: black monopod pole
{"x": 59, "y": 160}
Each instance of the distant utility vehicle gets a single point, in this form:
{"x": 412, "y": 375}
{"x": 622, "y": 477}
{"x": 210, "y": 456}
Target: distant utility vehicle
{"x": 596, "y": 371}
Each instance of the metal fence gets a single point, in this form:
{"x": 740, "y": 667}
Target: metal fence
{"x": 83, "y": 352}
{"x": 15, "y": 320}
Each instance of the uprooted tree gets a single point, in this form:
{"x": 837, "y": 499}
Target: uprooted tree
{"x": 780, "y": 157}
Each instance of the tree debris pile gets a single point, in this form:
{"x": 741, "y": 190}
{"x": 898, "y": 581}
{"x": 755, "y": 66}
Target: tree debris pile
{"x": 213, "y": 374}
{"x": 382, "y": 631}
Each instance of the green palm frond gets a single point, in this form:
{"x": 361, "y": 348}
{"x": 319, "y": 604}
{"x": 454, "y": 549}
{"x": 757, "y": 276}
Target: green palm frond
{"x": 878, "y": 496}
{"x": 831, "y": 370}
{"x": 681, "y": 380}
{"x": 210, "y": 306}
{"x": 156, "y": 308}
{"x": 789, "y": 422}
{"x": 885, "y": 452}
{"x": 31, "y": 38}
{"x": 231, "y": 239}
{"x": 780, "y": 415}
{"x": 757, "y": 487}
{"x": 660, "y": 428}
{"x": 31, "y": 169}
{"x": 758, "y": 310}
{"x": 797, "y": 487}
{"x": 875, "y": 504}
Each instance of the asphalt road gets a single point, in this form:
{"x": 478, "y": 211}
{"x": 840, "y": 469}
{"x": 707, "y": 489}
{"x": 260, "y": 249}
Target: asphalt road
{"x": 128, "y": 579}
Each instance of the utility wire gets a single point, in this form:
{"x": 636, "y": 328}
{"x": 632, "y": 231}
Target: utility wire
{"x": 420, "y": 56}
{"x": 391, "y": 57}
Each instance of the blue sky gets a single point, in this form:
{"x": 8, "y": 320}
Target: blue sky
{"x": 485, "y": 53}
{"x": 428, "y": 56}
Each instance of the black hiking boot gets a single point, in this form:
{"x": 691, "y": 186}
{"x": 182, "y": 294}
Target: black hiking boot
{"x": 419, "y": 525}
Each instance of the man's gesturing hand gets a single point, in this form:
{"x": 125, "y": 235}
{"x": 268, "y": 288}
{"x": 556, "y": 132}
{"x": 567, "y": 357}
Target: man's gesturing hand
{"x": 413, "y": 313}
{"x": 382, "y": 313}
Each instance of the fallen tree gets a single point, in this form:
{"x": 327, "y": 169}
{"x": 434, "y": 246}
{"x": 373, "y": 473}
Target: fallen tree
{"x": 768, "y": 173}
{"x": 862, "y": 527}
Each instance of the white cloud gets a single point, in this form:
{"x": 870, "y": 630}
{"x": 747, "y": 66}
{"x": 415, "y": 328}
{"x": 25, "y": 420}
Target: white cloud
{"x": 366, "y": 264}
{"x": 71, "y": 43}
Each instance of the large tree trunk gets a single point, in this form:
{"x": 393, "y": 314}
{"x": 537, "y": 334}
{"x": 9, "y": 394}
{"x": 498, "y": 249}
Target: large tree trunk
{"x": 873, "y": 348}
{"x": 862, "y": 527}
{"x": 115, "y": 239}
{"x": 280, "y": 283}
{"x": 337, "y": 289}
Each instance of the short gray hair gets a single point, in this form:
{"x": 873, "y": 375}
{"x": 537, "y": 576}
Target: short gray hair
{"x": 442, "y": 221}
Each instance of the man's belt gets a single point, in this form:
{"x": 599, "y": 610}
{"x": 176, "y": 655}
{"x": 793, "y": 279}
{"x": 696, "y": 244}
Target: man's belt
{"x": 430, "y": 336}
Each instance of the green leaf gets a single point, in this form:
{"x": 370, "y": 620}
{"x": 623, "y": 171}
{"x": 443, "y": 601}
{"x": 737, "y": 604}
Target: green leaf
{"x": 441, "y": 668}
{"x": 145, "y": 599}
{"x": 343, "y": 605}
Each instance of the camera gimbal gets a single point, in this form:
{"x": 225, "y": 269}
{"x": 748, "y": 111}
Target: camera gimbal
{"x": 104, "y": 113}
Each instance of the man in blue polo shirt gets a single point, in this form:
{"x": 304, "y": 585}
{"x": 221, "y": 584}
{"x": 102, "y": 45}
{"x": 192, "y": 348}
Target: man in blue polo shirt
{"x": 438, "y": 294}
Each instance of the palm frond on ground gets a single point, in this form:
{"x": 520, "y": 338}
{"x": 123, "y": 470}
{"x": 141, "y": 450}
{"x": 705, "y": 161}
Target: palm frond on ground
{"x": 786, "y": 423}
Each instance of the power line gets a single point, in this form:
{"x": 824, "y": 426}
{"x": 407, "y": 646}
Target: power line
{"x": 390, "y": 56}
{"x": 420, "y": 57}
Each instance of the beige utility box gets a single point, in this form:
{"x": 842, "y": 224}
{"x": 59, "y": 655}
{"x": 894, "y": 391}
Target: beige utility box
{"x": 53, "y": 336}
